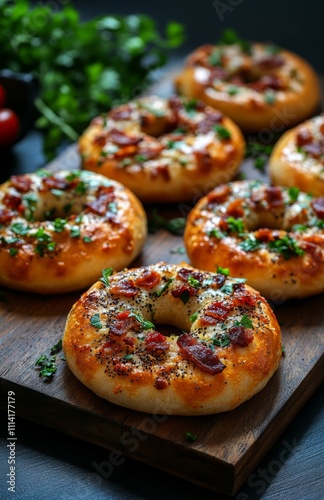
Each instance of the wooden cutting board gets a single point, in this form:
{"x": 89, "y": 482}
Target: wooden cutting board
{"x": 228, "y": 446}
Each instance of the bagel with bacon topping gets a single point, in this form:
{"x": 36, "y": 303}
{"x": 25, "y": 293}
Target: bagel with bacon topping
{"x": 228, "y": 348}
{"x": 258, "y": 85}
{"x": 298, "y": 158}
{"x": 164, "y": 150}
{"x": 59, "y": 230}
{"x": 273, "y": 236}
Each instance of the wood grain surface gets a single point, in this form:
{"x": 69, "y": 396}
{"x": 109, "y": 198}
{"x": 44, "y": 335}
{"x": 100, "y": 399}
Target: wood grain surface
{"x": 228, "y": 446}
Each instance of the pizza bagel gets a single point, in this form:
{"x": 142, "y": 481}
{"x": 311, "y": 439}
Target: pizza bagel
{"x": 273, "y": 236}
{"x": 164, "y": 150}
{"x": 59, "y": 230}
{"x": 226, "y": 349}
{"x": 258, "y": 85}
{"x": 298, "y": 157}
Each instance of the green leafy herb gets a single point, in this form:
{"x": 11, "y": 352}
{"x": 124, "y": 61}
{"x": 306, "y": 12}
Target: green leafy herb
{"x": 95, "y": 321}
{"x": 82, "y": 67}
{"x": 215, "y": 58}
{"x": 19, "y": 228}
{"x": 221, "y": 340}
{"x": 147, "y": 325}
{"x": 190, "y": 106}
{"x": 140, "y": 158}
{"x": 81, "y": 188}
{"x": 106, "y": 273}
{"x": 128, "y": 357}
{"x": 227, "y": 288}
{"x": 75, "y": 232}
{"x": 193, "y": 282}
{"x": 269, "y": 97}
{"x": 164, "y": 288}
{"x": 193, "y": 317}
{"x": 221, "y": 131}
{"x": 175, "y": 226}
{"x": 235, "y": 225}
{"x": 46, "y": 366}
{"x": 56, "y": 348}
{"x": 185, "y": 296}
{"x": 30, "y": 200}
{"x": 216, "y": 233}
{"x": 13, "y": 251}
{"x": 190, "y": 437}
{"x": 260, "y": 163}
{"x": 179, "y": 250}
{"x": 244, "y": 321}
{"x": 250, "y": 244}
{"x": 293, "y": 193}
{"x": 230, "y": 37}
{"x": 59, "y": 225}
{"x": 87, "y": 239}
{"x": 286, "y": 246}
{"x": 233, "y": 90}
{"x": 223, "y": 270}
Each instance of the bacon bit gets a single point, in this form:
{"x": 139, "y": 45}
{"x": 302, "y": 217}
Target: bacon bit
{"x": 207, "y": 123}
{"x": 120, "y": 138}
{"x": 177, "y": 292}
{"x": 199, "y": 354}
{"x": 12, "y": 201}
{"x": 203, "y": 159}
{"x": 175, "y": 104}
{"x": 239, "y": 335}
{"x": 162, "y": 170}
{"x": 303, "y": 137}
{"x": 125, "y": 288}
{"x": 6, "y": 215}
{"x": 274, "y": 196}
{"x": 219, "y": 194}
{"x": 185, "y": 272}
{"x": 235, "y": 208}
{"x": 21, "y": 182}
{"x": 53, "y": 182}
{"x": 130, "y": 341}
{"x": 321, "y": 128}
{"x": 149, "y": 279}
{"x": 315, "y": 150}
{"x": 264, "y": 234}
{"x": 150, "y": 150}
{"x": 215, "y": 74}
{"x": 104, "y": 196}
{"x": 156, "y": 343}
{"x": 112, "y": 346}
{"x": 121, "y": 367}
{"x": 271, "y": 62}
{"x": 223, "y": 225}
{"x": 242, "y": 297}
{"x": 161, "y": 383}
{"x": 123, "y": 324}
{"x": 318, "y": 207}
{"x": 215, "y": 312}
{"x": 267, "y": 82}
{"x": 100, "y": 139}
{"x": 121, "y": 113}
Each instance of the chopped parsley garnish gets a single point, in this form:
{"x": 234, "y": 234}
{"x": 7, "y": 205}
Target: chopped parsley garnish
{"x": 106, "y": 273}
{"x": 146, "y": 325}
{"x": 95, "y": 321}
{"x": 216, "y": 233}
{"x": 56, "y": 348}
{"x": 45, "y": 242}
{"x": 59, "y": 225}
{"x": 301, "y": 150}
{"x": 57, "y": 192}
{"x": 46, "y": 366}
{"x": 190, "y": 437}
{"x": 221, "y": 131}
{"x": 190, "y": 106}
{"x": 250, "y": 244}
{"x": 13, "y": 251}
{"x": 19, "y": 228}
{"x": 128, "y": 357}
{"x": 215, "y": 58}
{"x": 299, "y": 227}
{"x": 286, "y": 246}
{"x": 75, "y": 232}
{"x": 230, "y": 37}
{"x": 126, "y": 161}
{"x": 185, "y": 296}
{"x": 221, "y": 340}
{"x": 179, "y": 250}
{"x": 269, "y": 97}
{"x": 87, "y": 239}
{"x": 227, "y": 288}
{"x": 235, "y": 225}
{"x": 164, "y": 288}
{"x": 73, "y": 175}
{"x": 259, "y": 163}
{"x": 81, "y": 188}
{"x": 223, "y": 270}
{"x": 293, "y": 193}
{"x": 233, "y": 90}
{"x": 244, "y": 321}
{"x": 30, "y": 200}
{"x": 140, "y": 158}
{"x": 193, "y": 282}
{"x": 272, "y": 49}
{"x": 193, "y": 317}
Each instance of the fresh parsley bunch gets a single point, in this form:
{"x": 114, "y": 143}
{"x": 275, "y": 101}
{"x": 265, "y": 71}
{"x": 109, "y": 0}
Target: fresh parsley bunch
{"x": 83, "y": 68}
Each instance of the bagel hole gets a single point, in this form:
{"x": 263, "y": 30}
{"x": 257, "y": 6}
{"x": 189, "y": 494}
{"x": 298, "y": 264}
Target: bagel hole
{"x": 168, "y": 330}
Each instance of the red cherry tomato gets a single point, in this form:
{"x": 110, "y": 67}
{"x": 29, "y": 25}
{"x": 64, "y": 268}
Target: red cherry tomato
{"x": 2, "y": 96}
{"x": 9, "y": 127}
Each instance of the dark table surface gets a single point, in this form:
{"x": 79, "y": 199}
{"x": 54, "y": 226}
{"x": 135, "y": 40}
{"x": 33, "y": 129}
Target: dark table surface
{"x": 51, "y": 465}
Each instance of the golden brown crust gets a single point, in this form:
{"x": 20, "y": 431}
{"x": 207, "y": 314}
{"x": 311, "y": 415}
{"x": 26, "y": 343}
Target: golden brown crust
{"x": 272, "y": 236}
{"x": 164, "y": 150}
{"x": 298, "y": 158}
{"x": 232, "y": 348}
{"x": 258, "y": 90}
{"x": 58, "y": 231}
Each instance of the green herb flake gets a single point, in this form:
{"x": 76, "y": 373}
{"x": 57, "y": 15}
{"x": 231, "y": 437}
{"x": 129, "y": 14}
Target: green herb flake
{"x": 20, "y": 229}
{"x": 190, "y": 106}
{"x": 128, "y": 357}
{"x": 193, "y": 317}
{"x": 81, "y": 188}
{"x": 179, "y": 250}
{"x": 184, "y": 297}
{"x": 140, "y": 158}
{"x": 13, "y": 251}
{"x": 87, "y": 239}
{"x": 216, "y": 233}
{"x": 75, "y": 232}
{"x": 244, "y": 321}
{"x": 193, "y": 282}
{"x": 174, "y": 226}
{"x": 146, "y": 325}
{"x": 269, "y": 97}
{"x": 287, "y": 246}
{"x": 190, "y": 437}
{"x": 227, "y": 289}
{"x": 250, "y": 244}
{"x": 222, "y": 132}
{"x": 260, "y": 163}
{"x": 233, "y": 90}
{"x": 215, "y": 58}
{"x": 59, "y": 225}
{"x": 46, "y": 366}
{"x": 95, "y": 321}
{"x": 164, "y": 288}
{"x": 221, "y": 340}
{"x": 106, "y": 273}
{"x": 293, "y": 193}
{"x": 223, "y": 270}
{"x": 56, "y": 348}
{"x": 235, "y": 225}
